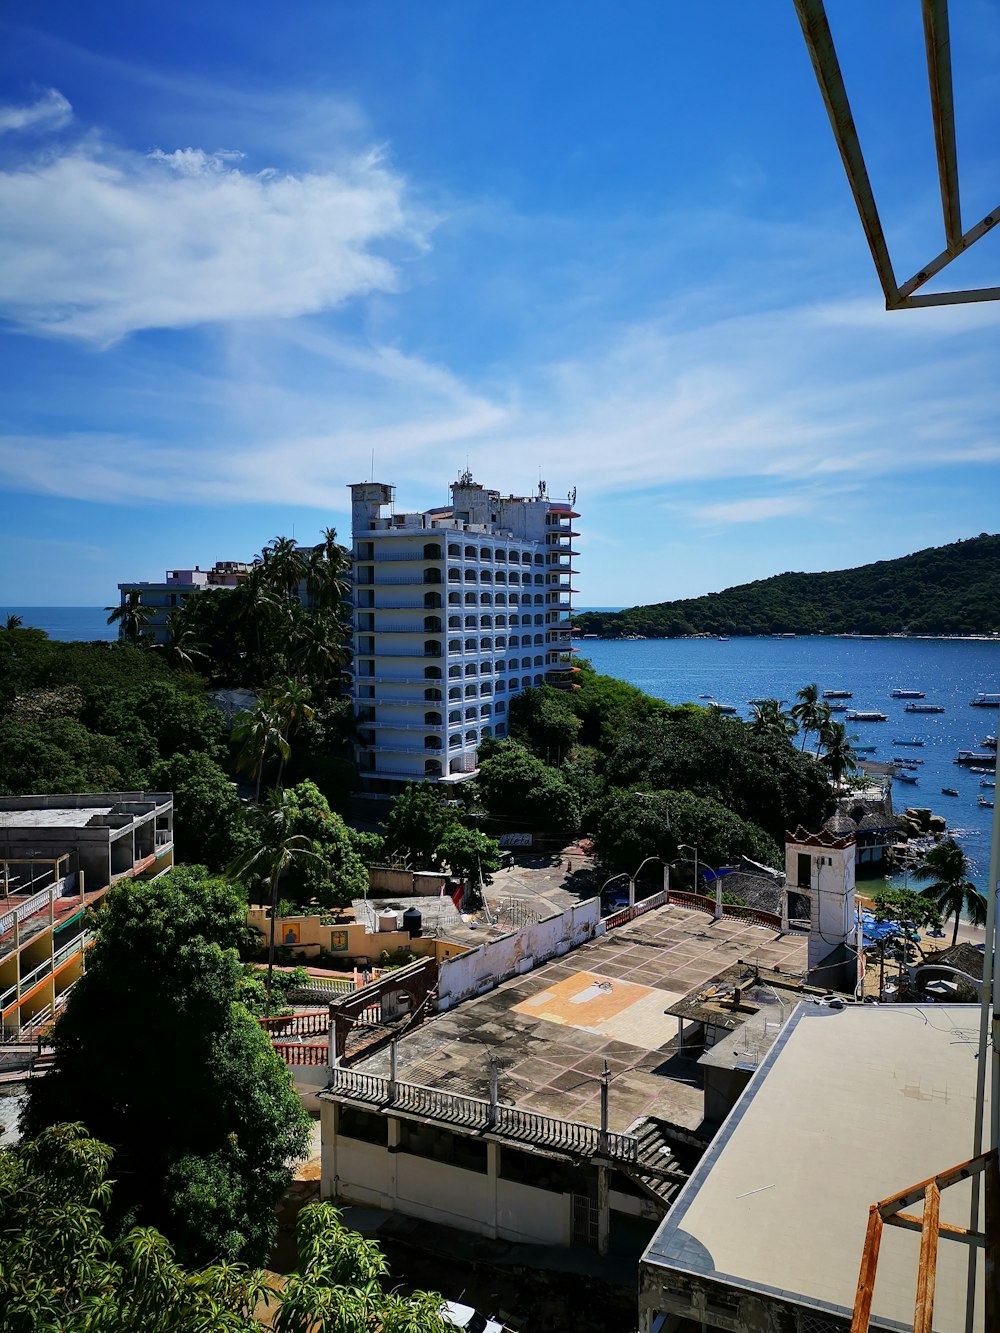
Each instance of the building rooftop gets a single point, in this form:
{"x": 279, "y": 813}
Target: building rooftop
{"x": 849, "y": 1107}
{"x": 53, "y": 817}
{"x": 553, "y": 1029}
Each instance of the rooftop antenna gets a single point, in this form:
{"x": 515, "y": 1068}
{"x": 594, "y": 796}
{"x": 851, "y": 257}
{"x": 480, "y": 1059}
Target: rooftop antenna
{"x": 372, "y": 477}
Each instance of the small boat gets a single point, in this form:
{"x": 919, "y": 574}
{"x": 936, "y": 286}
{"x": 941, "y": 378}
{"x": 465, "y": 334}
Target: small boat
{"x": 897, "y": 741}
{"x": 864, "y": 749}
{"x": 837, "y": 708}
{"x": 837, "y": 694}
{"x": 906, "y": 694}
{"x": 987, "y": 782}
{"x": 949, "y": 791}
{"x": 985, "y": 700}
{"x": 906, "y": 763}
{"x": 975, "y": 757}
{"x": 985, "y": 803}
{"x": 906, "y": 777}
{"x": 722, "y": 638}
{"x": 924, "y": 708}
{"x": 706, "y": 696}
{"x": 722, "y": 708}
{"x": 989, "y": 742}
{"x": 856, "y": 715}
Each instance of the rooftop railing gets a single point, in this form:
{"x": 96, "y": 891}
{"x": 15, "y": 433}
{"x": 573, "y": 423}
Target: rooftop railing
{"x": 509, "y": 1122}
{"x": 36, "y": 903}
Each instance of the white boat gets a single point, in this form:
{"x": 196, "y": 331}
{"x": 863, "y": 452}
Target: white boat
{"x": 924, "y": 708}
{"x": 857, "y": 715}
{"x": 985, "y": 700}
{"x": 987, "y": 782}
{"x": 906, "y": 694}
{"x": 985, "y": 802}
{"x": 949, "y": 791}
{"x": 897, "y": 741}
{"x": 722, "y": 708}
{"x": 837, "y": 694}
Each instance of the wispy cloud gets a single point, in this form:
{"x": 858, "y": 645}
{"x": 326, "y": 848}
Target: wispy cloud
{"x": 753, "y": 510}
{"x": 50, "y": 111}
{"x": 110, "y": 242}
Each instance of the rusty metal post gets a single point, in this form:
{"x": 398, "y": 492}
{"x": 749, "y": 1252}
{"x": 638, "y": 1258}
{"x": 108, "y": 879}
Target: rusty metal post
{"x": 923, "y": 1309}
{"x": 866, "y": 1277}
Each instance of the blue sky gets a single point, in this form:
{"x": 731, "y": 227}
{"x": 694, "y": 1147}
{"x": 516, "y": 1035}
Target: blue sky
{"x": 243, "y": 251}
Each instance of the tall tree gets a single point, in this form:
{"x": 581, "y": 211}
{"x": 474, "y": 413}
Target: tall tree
{"x": 838, "y": 756}
{"x": 946, "y": 872}
{"x": 156, "y": 1055}
{"x": 290, "y": 702}
{"x": 276, "y": 849}
{"x": 257, "y": 734}
{"x": 806, "y": 711}
{"x": 132, "y": 618}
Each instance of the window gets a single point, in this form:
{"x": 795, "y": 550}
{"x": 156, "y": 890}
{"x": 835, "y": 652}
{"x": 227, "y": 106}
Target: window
{"x": 432, "y": 551}
{"x": 363, "y": 1125}
{"x": 470, "y": 553}
{"x": 432, "y": 719}
{"x": 432, "y": 673}
{"x": 805, "y": 870}
{"x": 454, "y": 550}
{"x": 440, "y": 1145}
{"x": 542, "y": 1173}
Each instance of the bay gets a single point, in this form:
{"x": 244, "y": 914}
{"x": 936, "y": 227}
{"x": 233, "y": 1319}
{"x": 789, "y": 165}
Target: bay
{"x": 65, "y": 623}
{"x": 949, "y": 671}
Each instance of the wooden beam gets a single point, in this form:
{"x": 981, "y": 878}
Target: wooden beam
{"x": 923, "y": 1308}
{"x": 866, "y": 1277}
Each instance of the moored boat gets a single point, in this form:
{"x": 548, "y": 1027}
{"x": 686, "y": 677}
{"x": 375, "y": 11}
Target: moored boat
{"x": 987, "y": 782}
{"x": 985, "y": 700}
{"x": 924, "y": 708}
{"x": 949, "y": 791}
{"x": 859, "y": 715}
{"x": 974, "y": 757}
{"x": 896, "y": 740}
{"x": 722, "y": 708}
{"x": 985, "y": 802}
{"x": 906, "y": 694}
{"x": 838, "y": 694}
{"x": 906, "y": 777}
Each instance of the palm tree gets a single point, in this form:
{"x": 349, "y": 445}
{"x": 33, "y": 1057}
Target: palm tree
{"x": 182, "y": 647}
{"x": 769, "y": 719}
{"x": 947, "y": 867}
{"x": 13, "y": 622}
{"x": 276, "y": 851}
{"x": 284, "y": 567}
{"x": 838, "y": 755}
{"x": 257, "y": 734}
{"x": 806, "y": 711}
{"x": 132, "y": 618}
{"x": 291, "y": 705}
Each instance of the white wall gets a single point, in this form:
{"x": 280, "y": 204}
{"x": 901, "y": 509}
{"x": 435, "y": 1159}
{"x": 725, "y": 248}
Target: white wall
{"x": 470, "y": 973}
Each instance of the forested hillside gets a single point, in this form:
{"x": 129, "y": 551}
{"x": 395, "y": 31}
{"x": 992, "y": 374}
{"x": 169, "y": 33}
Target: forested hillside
{"x": 951, "y": 589}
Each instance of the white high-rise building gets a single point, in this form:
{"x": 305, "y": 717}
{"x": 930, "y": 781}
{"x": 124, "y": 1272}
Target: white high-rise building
{"x": 456, "y": 611}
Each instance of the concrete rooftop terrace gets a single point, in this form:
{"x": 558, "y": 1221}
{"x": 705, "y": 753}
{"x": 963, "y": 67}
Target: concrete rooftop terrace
{"x": 849, "y": 1108}
{"x": 553, "y": 1029}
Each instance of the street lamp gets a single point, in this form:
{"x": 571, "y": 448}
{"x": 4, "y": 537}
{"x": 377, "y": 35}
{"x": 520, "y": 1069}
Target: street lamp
{"x": 686, "y": 847}
{"x": 632, "y": 878}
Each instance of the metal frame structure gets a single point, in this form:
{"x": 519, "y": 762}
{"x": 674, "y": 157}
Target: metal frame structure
{"x": 822, "y": 52}
{"x": 890, "y": 1212}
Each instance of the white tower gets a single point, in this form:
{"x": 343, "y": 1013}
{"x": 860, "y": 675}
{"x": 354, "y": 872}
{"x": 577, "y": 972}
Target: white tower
{"x": 820, "y": 866}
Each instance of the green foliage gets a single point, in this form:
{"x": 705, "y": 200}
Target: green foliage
{"x": 952, "y": 589}
{"x": 514, "y": 785}
{"x": 627, "y": 826}
{"x": 544, "y": 720}
{"x": 211, "y": 824}
{"x": 470, "y": 854}
{"x": 418, "y": 823}
{"x": 760, "y": 778}
{"x": 64, "y": 1270}
{"x": 630, "y": 825}
{"x": 605, "y": 706}
{"x": 336, "y": 873}
{"x": 155, "y": 1054}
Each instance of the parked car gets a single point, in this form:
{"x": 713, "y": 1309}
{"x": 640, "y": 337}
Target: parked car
{"x": 470, "y": 1320}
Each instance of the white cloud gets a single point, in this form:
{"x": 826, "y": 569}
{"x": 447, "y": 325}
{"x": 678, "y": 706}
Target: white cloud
{"x": 753, "y": 510}
{"x": 49, "y": 112}
{"x": 100, "y": 244}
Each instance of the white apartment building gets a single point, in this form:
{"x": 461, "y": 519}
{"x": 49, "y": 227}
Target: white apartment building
{"x": 456, "y": 611}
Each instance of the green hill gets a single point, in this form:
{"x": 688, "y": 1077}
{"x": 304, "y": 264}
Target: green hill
{"x": 951, "y": 589}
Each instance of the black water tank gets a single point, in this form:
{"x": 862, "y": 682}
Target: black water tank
{"x": 412, "y": 922}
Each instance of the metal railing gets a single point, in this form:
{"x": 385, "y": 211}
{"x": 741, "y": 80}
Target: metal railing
{"x": 28, "y": 908}
{"x": 510, "y": 1122}
{"x": 75, "y": 945}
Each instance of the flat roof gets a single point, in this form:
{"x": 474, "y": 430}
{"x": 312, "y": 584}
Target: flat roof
{"x": 552, "y": 1029}
{"x": 849, "y": 1107}
{"x": 53, "y": 817}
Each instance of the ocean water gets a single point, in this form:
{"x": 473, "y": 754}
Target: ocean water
{"x": 950, "y": 672}
{"x": 65, "y": 622}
